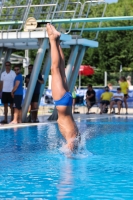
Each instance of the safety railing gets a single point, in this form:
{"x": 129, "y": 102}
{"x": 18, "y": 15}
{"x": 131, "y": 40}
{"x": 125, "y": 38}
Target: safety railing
{"x": 24, "y": 9}
{"x": 90, "y": 4}
{"x": 14, "y": 15}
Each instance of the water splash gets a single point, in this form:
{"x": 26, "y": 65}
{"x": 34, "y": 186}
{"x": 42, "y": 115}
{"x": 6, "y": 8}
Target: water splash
{"x": 80, "y": 153}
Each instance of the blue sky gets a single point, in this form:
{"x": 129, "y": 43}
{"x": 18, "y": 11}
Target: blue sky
{"x": 111, "y": 1}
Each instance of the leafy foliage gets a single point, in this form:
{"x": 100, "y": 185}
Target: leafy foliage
{"x": 115, "y": 47}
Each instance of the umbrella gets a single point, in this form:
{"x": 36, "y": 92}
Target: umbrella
{"x": 85, "y": 70}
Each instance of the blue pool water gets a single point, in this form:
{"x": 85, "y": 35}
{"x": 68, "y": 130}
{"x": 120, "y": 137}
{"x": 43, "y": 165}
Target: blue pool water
{"x": 33, "y": 167}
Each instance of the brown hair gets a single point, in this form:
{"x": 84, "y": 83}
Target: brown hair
{"x": 123, "y": 78}
{"x": 8, "y": 62}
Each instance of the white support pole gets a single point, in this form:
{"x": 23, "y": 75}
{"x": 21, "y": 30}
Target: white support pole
{"x": 79, "y": 81}
{"x": 34, "y": 77}
{"x": 27, "y": 62}
{"x": 120, "y": 70}
{"x": 105, "y": 78}
{"x": 6, "y": 58}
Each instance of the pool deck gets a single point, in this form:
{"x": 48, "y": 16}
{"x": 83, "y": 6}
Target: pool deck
{"x": 44, "y": 114}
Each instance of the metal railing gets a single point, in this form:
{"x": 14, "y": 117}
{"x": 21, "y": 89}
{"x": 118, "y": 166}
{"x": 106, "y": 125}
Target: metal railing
{"x": 20, "y": 10}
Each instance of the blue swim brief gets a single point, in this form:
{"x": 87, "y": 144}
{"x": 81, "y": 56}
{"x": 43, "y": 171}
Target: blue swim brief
{"x": 66, "y": 100}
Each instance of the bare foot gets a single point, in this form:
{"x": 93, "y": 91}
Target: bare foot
{"x": 52, "y": 32}
{"x": 13, "y": 122}
{"x": 55, "y": 31}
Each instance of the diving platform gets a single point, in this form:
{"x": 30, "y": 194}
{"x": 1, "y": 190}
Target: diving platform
{"x": 23, "y": 27}
{"x": 26, "y": 40}
{"x": 82, "y": 42}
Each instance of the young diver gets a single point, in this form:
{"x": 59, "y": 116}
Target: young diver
{"x": 60, "y": 92}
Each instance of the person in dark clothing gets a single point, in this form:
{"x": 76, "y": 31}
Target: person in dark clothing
{"x": 35, "y": 97}
{"x": 90, "y": 97}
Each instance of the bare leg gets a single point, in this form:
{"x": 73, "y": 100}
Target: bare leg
{"x": 101, "y": 108}
{"x": 31, "y": 111}
{"x": 119, "y": 106}
{"x": 5, "y": 112}
{"x": 125, "y": 102}
{"x": 62, "y": 66}
{"x": 12, "y": 111}
{"x": 104, "y": 106}
{"x": 16, "y": 115}
{"x": 58, "y": 89}
{"x": 36, "y": 110}
{"x": 111, "y": 105}
{"x": 62, "y": 60}
{"x": 88, "y": 105}
{"x": 20, "y": 116}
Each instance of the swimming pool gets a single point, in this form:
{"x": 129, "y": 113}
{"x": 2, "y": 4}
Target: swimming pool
{"x": 33, "y": 167}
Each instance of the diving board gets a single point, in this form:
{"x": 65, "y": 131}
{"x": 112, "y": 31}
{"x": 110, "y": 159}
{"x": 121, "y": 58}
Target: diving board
{"x": 26, "y": 40}
{"x": 28, "y": 35}
{"x": 82, "y": 42}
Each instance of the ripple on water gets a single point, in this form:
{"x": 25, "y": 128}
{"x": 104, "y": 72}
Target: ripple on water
{"x": 33, "y": 164}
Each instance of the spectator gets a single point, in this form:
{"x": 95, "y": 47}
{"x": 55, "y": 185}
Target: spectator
{"x": 129, "y": 80}
{"x": 90, "y": 97}
{"x": 105, "y": 99}
{"x": 35, "y": 97}
{"x": 17, "y": 94}
{"x": 117, "y": 99}
{"x": 110, "y": 86}
{"x": 124, "y": 89}
{"x": 6, "y": 86}
{"x": 74, "y": 100}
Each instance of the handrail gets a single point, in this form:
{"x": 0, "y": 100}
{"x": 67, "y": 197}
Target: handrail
{"x": 78, "y": 3}
{"x": 38, "y": 7}
{"x": 26, "y": 13}
{"x": 113, "y": 28}
{"x": 24, "y": 6}
{"x": 24, "y": 17}
{"x": 66, "y": 6}
{"x": 100, "y": 24}
{"x": 91, "y": 2}
{"x": 74, "y": 20}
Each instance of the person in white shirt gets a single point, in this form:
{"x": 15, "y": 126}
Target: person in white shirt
{"x": 6, "y": 86}
{"x": 117, "y": 99}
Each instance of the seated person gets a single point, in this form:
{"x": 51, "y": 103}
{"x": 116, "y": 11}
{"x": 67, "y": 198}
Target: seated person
{"x": 117, "y": 99}
{"x": 105, "y": 99}
{"x": 90, "y": 97}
